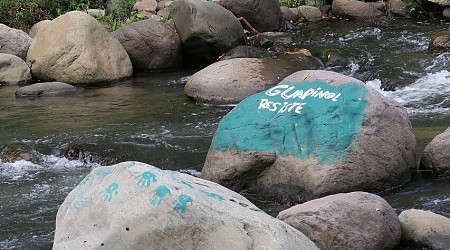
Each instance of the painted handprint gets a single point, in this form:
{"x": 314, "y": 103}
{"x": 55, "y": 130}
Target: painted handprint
{"x": 160, "y": 193}
{"x": 145, "y": 179}
{"x": 110, "y": 191}
{"x": 122, "y": 169}
{"x": 103, "y": 172}
{"x": 181, "y": 203}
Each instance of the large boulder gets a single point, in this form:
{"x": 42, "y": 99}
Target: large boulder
{"x": 309, "y": 13}
{"x": 440, "y": 41}
{"x": 147, "y": 8}
{"x": 205, "y": 28}
{"x": 436, "y": 156}
{"x": 45, "y": 89}
{"x": 353, "y": 9}
{"x": 231, "y": 81}
{"x": 133, "y": 205}
{"x": 13, "y": 70}
{"x": 314, "y": 134}
{"x": 356, "y": 220}
{"x": 262, "y": 15}
{"x": 425, "y": 229}
{"x": 14, "y": 41}
{"x": 76, "y": 49}
{"x": 36, "y": 27}
{"x": 151, "y": 45}
{"x": 441, "y": 2}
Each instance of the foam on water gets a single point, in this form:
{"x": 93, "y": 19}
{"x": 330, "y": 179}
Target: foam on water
{"x": 428, "y": 95}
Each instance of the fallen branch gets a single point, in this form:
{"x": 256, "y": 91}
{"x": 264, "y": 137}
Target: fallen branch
{"x": 252, "y": 30}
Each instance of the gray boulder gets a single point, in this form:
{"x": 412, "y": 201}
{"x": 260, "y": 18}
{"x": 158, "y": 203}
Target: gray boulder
{"x": 76, "y": 49}
{"x": 13, "y": 70}
{"x": 436, "y": 156}
{"x": 206, "y": 29}
{"x": 425, "y": 229}
{"x": 446, "y": 13}
{"x": 147, "y": 8}
{"x": 36, "y": 27}
{"x": 262, "y": 15}
{"x": 231, "y": 81}
{"x": 355, "y": 220}
{"x": 244, "y": 51}
{"x": 14, "y": 41}
{"x": 45, "y": 89}
{"x": 314, "y": 134}
{"x": 357, "y": 10}
{"x": 151, "y": 45}
{"x": 309, "y": 13}
{"x": 133, "y": 205}
{"x": 288, "y": 14}
{"x": 19, "y": 151}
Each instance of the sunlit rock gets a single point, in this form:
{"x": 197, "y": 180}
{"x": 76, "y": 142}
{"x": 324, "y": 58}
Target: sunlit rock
{"x": 133, "y": 205}
{"x": 316, "y": 133}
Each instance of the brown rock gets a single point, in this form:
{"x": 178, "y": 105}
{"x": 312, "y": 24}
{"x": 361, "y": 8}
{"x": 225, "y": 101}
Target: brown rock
{"x": 440, "y": 41}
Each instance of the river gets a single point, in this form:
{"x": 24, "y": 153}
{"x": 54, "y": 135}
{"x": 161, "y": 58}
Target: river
{"x": 148, "y": 118}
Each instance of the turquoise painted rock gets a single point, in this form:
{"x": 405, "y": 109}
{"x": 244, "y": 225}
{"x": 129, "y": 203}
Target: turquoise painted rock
{"x": 133, "y": 205}
{"x": 315, "y": 133}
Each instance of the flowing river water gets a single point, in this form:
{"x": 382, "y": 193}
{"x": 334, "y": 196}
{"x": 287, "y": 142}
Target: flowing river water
{"x": 148, "y": 118}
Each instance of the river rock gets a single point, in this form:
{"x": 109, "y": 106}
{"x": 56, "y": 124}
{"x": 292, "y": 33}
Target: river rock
{"x": 425, "y": 229}
{"x": 19, "y": 151}
{"x": 262, "y": 15}
{"x": 355, "y": 220}
{"x": 357, "y": 10}
{"x": 441, "y": 2}
{"x": 231, "y": 81}
{"x": 13, "y": 70}
{"x": 14, "y": 41}
{"x": 446, "y": 13}
{"x": 288, "y": 14}
{"x": 335, "y": 58}
{"x": 436, "y": 156}
{"x": 147, "y": 8}
{"x": 309, "y": 13}
{"x": 314, "y": 134}
{"x": 151, "y": 45}
{"x": 36, "y": 27}
{"x": 244, "y": 51}
{"x": 133, "y": 205}
{"x": 440, "y": 41}
{"x": 76, "y": 49}
{"x": 206, "y": 29}
{"x": 398, "y": 8}
{"x": 45, "y": 89}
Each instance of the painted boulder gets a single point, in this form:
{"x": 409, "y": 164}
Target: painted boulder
{"x": 316, "y": 133}
{"x": 133, "y": 205}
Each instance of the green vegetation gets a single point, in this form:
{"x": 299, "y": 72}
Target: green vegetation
{"x": 22, "y": 14}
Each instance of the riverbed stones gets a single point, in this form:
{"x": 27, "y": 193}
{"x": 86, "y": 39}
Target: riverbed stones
{"x": 151, "y": 45}
{"x": 231, "y": 81}
{"x": 440, "y": 41}
{"x": 13, "y": 70}
{"x": 45, "y": 89}
{"x": 425, "y": 229}
{"x": 133, "y": 205}
{"x": 356, "y": 10}
{"x": 355, "y": 220}
{"x": 206, "y": 29}
{"x": 76, "y": 49}
{"x": 14, "y": 41}
{"x": 314, "y": 134}
{"x": 436, "y": 156}
{"x": 262, "y": 15}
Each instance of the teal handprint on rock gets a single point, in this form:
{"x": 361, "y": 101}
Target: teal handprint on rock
{"x": 181, "y": 203}
{"x": 111, "y": 190}
{"x": 160, "y": 193}
{"x": 103, "y": 172}
{"x": 145, "y": 179}
{"x": 122, "y": 169}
